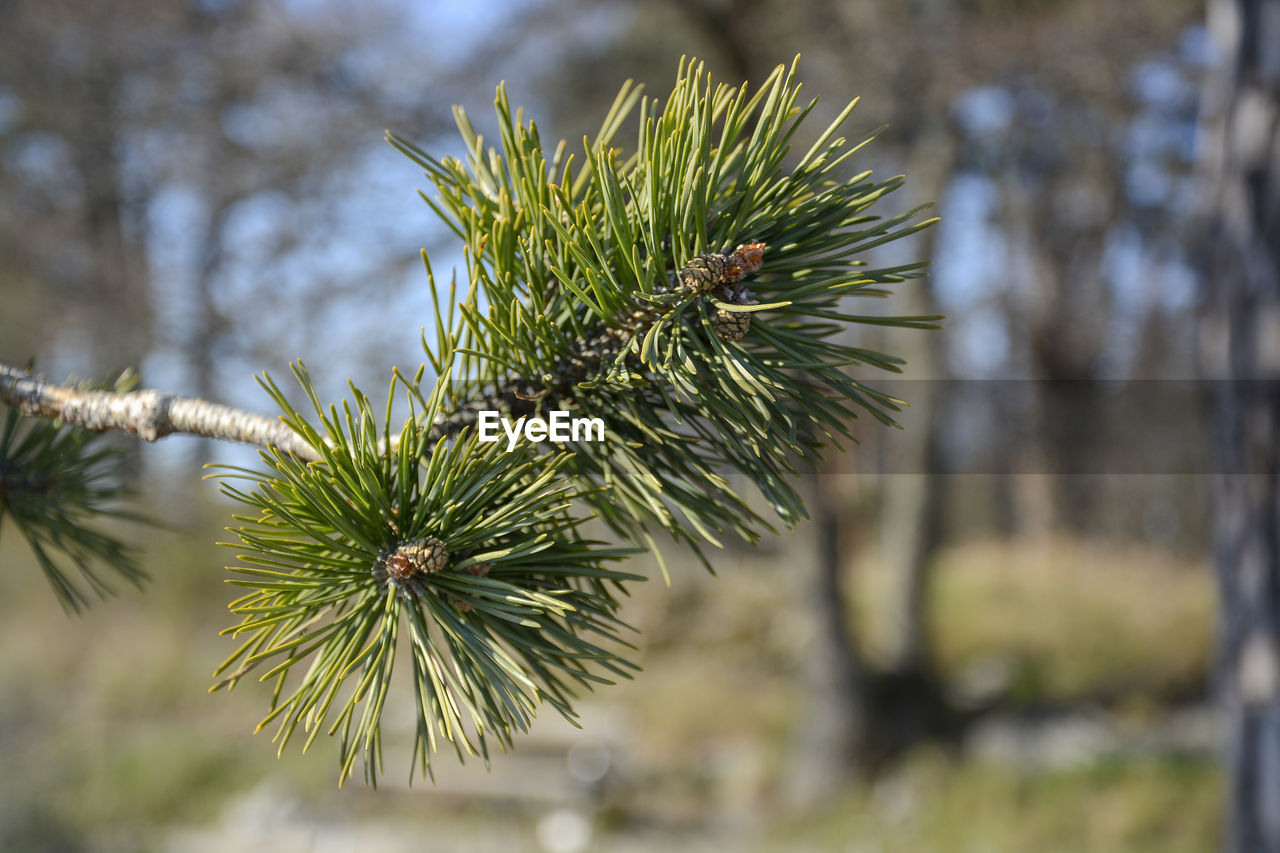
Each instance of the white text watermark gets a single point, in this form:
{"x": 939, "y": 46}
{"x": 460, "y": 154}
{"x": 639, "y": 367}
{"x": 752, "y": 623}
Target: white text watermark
{"x": 557, "y": 428}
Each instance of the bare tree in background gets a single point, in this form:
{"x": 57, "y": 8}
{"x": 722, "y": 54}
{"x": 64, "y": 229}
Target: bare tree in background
{"x": 72, "y": 225}
{"x": 910, "y": 62}
{"x": 1240, "y": 335}
{"x": 252, "y": 120}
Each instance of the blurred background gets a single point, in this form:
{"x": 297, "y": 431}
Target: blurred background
{"x": 995, "y": 635}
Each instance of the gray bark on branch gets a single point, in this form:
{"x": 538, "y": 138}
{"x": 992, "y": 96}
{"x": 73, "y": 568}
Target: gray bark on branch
{"x": 150, "y": 415}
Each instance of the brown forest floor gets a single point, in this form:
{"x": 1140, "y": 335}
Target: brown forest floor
{"x": 1095, "y": 652}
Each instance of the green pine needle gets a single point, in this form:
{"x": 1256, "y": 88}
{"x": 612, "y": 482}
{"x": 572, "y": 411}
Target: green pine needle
{"x": 522, "y": 613}
{"x": 693, "y": 293}
{"x": 579, "y": 275}
{"x": 57, "y": 482}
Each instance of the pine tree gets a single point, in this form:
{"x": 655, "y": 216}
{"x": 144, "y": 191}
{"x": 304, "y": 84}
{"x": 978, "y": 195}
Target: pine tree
{"x": 690, "y": 294}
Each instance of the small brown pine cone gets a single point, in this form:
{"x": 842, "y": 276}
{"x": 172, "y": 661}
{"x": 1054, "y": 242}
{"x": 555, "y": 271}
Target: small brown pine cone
{"x": 731, "y": 325}
{"x": 427, "y": 555}
{"x": 704, "y": 271}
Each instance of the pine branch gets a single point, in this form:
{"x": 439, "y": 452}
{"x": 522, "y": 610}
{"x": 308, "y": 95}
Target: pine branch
{"x": 504, "y": 606}
{"x": 599, "y": 287}
{"x": 608, "y": 287}
{"x": 148, "y": 414}
{"x": 716, "y": 275}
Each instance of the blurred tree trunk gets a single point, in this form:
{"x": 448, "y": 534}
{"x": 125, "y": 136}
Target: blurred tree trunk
{"x": 1240, "y": 334}
{"x": 835, "y": 712}
{"x": 118, "y": 299}
{"x": 1058, "y": 209}
{"x": 911, "y": 500}
{"x": 910, "y": 525}
{"x": 76, "y": 240}
{"x": 858, "y": 716}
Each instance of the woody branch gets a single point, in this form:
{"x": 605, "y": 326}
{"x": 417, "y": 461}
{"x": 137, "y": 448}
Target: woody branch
{"x": 150, "y": 415}
{"x": 712, "y": 274}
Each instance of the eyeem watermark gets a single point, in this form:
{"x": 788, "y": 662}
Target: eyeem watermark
{"x": 559, "y": 428}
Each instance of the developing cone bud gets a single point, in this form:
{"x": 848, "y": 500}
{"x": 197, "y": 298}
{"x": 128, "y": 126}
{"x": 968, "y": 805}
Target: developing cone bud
{"x": 731, "y": 325}
{"x": 427, "y": 555}
{"x": 745, "y": 260}
{"x": 719, "y": 276}
{"x": 712, "y": 269}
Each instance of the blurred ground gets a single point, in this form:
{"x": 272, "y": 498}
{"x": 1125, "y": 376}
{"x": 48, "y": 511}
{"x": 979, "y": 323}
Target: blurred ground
{"x": 1099, "y": 738}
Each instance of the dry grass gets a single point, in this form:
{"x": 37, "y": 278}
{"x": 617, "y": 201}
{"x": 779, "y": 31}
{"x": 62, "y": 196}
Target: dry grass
{"x": 1064, "y": 620}
{"x": 109, "y": 739}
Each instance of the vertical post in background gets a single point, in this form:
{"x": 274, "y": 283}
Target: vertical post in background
{"x": 1240, "y": 347}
